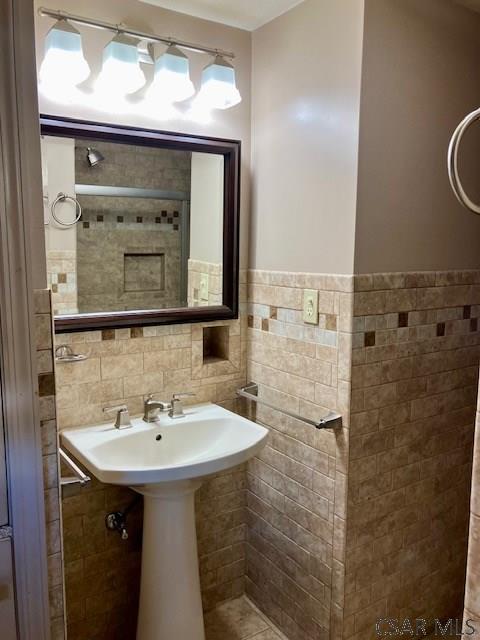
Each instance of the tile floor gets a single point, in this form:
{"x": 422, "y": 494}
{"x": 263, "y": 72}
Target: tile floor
{"x": 239, "y": 620}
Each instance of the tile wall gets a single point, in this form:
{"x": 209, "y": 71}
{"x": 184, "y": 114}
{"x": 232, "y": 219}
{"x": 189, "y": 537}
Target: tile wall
{"x": 127, "y": 165}
{"x": 73, "y": 275}
{"x": 296, "y": 487}
{"x": 114, "y": 226}
{"x": 213, "y": 273}
{"x": 133, "y": 263}
{"x": 101, "y": 571}
{"x": 46, "y": 391}
{"x": 62, "y": 280}
{"x": 414, "y": 382}
{"x": 325, "y": 531}
{"x": 403, "y": 372}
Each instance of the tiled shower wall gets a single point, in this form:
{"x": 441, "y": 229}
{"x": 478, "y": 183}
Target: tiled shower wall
{"x": 114, "y": 226}
{"x": 296, "y": 487}
{"x": 128, "y": 256}
{"x": 101, "y": 571}
{"x": 414, "y": 382}
{"x": 73, "y": 275}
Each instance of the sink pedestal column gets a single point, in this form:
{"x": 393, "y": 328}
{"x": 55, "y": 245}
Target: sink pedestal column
{"x": 170, "y": 598}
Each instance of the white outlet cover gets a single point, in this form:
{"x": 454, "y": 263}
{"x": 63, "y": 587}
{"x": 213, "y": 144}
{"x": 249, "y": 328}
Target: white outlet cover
{"x": 203, "y": 286}
{"x": 310, "y": 306}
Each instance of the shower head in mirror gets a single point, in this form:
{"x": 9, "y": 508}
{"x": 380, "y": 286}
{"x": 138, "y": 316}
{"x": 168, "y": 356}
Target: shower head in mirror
{"x": 94, "y": 156}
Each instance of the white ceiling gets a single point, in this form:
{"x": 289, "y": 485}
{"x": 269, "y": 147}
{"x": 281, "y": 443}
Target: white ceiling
{"x": 245, "y": 14}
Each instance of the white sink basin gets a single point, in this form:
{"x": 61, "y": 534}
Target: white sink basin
{"x": 207, "y": 440}
{"x": 166, "y": 462}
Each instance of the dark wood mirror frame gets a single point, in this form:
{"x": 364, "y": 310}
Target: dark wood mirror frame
{"x": 230, "y": 149}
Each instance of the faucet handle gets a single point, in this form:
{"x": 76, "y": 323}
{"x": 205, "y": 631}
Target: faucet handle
{"x": 176, "y": 406}
{"x": 122, "y": 421}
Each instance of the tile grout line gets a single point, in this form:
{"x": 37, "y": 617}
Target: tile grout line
{"x": 266, "y": 619}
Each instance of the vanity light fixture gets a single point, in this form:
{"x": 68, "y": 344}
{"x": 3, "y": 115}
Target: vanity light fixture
{"x": 64, "y": 65}
{"x": 171, "y": 80}
{"x": 121, "y": 73}
{"x": 218, "y": 90}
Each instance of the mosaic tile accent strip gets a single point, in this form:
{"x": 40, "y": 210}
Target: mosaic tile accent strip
{"x": 116, "y": 217}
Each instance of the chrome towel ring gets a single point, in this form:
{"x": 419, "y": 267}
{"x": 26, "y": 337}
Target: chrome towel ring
{"x": 453, "y": 174}
{"x": 62, "y": 197}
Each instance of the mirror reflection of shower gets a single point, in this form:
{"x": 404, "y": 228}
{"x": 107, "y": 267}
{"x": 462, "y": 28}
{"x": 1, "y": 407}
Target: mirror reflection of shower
{"x": 125, "y": 237}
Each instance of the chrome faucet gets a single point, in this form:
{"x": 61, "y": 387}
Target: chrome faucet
{"x": 152, "y": 407}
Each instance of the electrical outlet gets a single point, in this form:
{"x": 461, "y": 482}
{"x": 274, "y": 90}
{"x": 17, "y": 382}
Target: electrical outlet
{"x": 203, "y": 286}
{"x": 310, "y": 306}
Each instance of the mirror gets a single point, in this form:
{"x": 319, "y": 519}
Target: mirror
{"x": 141, "y": 227}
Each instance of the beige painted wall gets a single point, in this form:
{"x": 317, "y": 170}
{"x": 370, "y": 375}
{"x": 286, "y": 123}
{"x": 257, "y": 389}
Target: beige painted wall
{"x": 206, "y": 208}
{"x": 58, "y": 164}
{"x": 232, "y": 123}
{"x": 421, "y": 75}
{"x": 305, "y": 112}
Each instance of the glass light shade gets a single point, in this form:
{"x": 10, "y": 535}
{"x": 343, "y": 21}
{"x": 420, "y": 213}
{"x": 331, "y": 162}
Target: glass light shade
{"x": 171, "y": 80}
{"x": 219, "y": 90}
{"x": 64, "y": 65}
{"x": 121, "y": 73}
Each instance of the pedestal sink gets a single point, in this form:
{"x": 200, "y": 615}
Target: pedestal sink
{"x": 166, "y": 461}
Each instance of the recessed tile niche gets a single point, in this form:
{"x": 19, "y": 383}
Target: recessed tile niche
{"x": 215, "y": 344}
{"x": 144, "y": 271}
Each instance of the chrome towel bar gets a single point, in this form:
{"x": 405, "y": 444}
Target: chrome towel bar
{"x": 452, "y": 160}
{"x": 330, "y": 421}
{"x": 78, "y": 477}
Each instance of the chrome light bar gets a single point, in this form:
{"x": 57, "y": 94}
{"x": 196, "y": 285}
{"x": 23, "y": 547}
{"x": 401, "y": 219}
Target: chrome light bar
{"x": 139, "y": 35}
